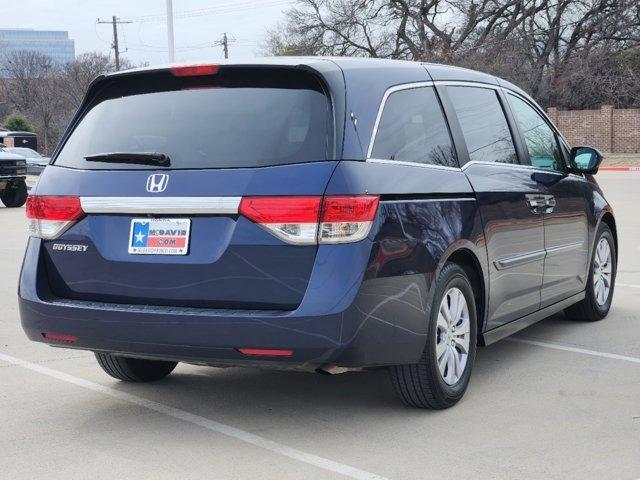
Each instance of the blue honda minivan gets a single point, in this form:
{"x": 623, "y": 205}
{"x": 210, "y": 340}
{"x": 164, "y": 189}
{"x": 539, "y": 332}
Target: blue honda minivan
{"x": 323, "y": 214}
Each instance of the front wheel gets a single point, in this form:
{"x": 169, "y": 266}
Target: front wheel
{"x": 601, "y": 280}
{"x": 134, "y": 369}
{"x": 442, "y": 373}
{"x": 15, "y": 194}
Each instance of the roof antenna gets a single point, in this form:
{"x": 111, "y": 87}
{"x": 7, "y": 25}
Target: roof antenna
{"x": 354, "y": 120}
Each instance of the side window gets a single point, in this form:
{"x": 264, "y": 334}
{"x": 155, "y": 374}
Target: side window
{"x": 413, "y": 129}
{"x": 539, "y": 138}
{"x": 483, "y": 124}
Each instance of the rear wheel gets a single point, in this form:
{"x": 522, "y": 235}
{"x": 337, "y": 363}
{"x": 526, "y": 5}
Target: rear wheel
{"x": 15, "y": 194}
{"x": 134, "y": 369}
{"x": 441, "y": 376}
{"x": 602, "y": 277}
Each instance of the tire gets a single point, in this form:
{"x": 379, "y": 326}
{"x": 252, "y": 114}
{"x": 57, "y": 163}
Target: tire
{"x": 134, "y": 369}
{"x": 590, "y": 309}
{"x": 421, "y": 384}
{"x": 15, "y": 194}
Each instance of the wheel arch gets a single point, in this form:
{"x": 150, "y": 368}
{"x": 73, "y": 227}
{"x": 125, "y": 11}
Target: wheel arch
{"x": 608, "y": 218}
{"x": 466, "y": 258}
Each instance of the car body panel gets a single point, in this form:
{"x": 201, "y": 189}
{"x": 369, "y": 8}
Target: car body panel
{"x": 514, "y": 239}
{"x": 566, "y": 232}
{"x": 232, "y": 262}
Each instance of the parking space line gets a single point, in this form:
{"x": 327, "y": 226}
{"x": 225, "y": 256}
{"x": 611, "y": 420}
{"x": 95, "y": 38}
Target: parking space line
{"x": 567, "y": 348}
{"x": 212, "y": 425}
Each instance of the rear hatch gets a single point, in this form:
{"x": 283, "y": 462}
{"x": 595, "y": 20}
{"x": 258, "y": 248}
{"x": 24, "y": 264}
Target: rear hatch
{"x": 156, "y": 167}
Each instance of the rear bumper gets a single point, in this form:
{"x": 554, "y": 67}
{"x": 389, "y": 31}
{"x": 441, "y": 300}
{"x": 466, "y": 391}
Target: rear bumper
{"x": 342, "y": 320}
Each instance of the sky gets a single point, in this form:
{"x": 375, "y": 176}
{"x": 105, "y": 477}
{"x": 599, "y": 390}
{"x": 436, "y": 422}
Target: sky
{"x": 198, "y": 24}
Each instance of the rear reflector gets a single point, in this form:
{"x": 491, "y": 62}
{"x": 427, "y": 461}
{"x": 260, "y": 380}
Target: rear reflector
{"x": 265, "y": 352}
{"x": 50, "y": 216}
{"x": 59, "y": 337}
{"x": 312, "y": 220}
{"x": 195, "y": 70}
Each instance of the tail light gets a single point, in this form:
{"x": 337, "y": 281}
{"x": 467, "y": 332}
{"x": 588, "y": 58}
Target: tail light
{"x": 50, "y": 216}
{"x": 346, "y": 219}
{"x": 312, "y": 220}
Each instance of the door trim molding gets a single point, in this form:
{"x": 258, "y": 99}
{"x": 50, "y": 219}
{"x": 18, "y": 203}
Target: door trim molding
{"x": 563, "y": 248}
{"x": 523, "y": 259}
{"x": 518, "y": 260}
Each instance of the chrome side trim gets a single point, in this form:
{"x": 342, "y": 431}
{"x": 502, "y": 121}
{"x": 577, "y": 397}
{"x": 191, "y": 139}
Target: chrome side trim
{"x": 162, "y": 205}
{"x": 511, "y": 165}
{"x": 533, "y": 256}
{"x": 564, "y": 248}
{"x": 462, "y": 83}
{"x": 412, "y": 164}
{"x": 459, "y": 83}
{"x": 389, "y": 91}
{"x": 519, "y": 260}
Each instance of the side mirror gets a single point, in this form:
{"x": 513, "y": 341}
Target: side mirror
{"x": 585, "y": 160}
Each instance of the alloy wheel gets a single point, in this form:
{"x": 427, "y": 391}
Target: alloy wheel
{"x": 602, "y": 272}
{"x": 453, "y": 336}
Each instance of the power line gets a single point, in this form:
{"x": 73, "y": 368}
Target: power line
{"x": 114, "y": 21}
{"x": 217, "y": 10}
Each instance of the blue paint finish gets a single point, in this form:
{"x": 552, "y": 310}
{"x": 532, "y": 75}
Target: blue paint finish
{"x": 359, "y": 304}
{"x": 390, "y": 179}
{"x": 366, "y": 83}
{"x": 450, "y": 73}
{"x": 299, "y": 179}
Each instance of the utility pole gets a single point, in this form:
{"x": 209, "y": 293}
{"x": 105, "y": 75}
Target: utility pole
{"x": 225, "y": 45}
{"x": 114, "y": 21}
{"x": 172, "y": 50}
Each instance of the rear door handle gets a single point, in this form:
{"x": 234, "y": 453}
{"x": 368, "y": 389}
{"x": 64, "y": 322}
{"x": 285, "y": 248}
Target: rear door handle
{"x": 534, "y": 202}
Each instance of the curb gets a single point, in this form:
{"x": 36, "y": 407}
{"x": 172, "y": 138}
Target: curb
{"x": 619, "y": 169}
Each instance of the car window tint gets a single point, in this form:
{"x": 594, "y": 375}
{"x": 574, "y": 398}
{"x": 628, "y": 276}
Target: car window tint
{"x": 483, "y": 124}
{"x": 413, "y": 129}
{"x": 243, "y": 121}
{"x": 538, "y": 135}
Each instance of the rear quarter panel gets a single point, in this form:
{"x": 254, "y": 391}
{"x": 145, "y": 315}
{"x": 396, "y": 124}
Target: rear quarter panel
{"x": 425, "y": 215}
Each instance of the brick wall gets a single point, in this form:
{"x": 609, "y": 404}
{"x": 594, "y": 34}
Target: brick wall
{"x": 608, "y": 129}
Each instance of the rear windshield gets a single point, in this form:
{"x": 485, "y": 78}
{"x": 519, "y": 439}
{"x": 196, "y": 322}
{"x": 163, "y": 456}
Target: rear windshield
{"x": 232, "y": 120}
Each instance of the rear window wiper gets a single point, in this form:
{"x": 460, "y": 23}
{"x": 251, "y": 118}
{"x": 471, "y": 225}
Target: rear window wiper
{"x": 140, "y": 158}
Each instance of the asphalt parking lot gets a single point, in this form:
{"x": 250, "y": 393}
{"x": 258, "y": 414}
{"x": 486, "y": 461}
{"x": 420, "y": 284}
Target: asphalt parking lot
{"x": 560, "y": 400}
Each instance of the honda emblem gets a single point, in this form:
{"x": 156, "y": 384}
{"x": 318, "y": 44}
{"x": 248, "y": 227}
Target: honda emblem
{"x": 157, "y": 183}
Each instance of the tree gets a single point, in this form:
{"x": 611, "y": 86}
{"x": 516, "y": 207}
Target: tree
{"x": 46, "y": 92}
{"x": 18, "y": 123}
{"x": 30, "y": 89}
{"x": 538, "y": 44}
{"x": 75, "y": 77}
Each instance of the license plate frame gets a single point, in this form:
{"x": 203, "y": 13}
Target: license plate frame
{"x": 159, "y": 236}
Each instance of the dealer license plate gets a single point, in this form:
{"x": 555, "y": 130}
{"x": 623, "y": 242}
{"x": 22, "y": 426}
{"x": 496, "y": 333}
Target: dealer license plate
{"x": 159, "y": 236}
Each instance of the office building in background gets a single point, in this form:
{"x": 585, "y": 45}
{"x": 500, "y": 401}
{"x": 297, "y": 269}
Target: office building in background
{"x": 53, "y": 43}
